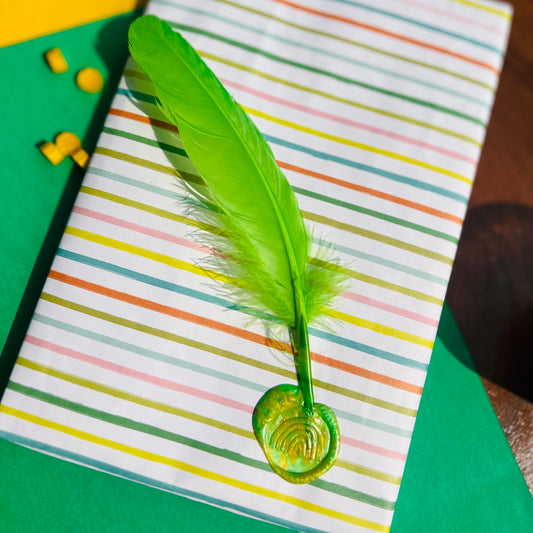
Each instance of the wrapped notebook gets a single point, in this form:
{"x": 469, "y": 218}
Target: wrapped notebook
{"x": 135, "y": 364}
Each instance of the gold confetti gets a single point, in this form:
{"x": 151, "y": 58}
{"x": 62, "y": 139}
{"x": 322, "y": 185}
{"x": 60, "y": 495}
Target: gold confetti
{"x": 56, "y": 60}
{"x": 81, "y": 157}
{"x": 90, "y": 80}
{"x": 67, "y": 142}
{"x": 52, "y": 153}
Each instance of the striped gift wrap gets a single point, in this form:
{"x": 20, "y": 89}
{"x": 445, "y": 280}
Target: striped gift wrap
{"x": 137, "y": 364}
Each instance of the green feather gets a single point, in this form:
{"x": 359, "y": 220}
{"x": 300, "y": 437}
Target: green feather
{"x": 269, "y": 246}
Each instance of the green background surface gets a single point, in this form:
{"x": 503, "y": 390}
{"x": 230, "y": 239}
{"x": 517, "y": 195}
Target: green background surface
{"x": 460, "y": 475}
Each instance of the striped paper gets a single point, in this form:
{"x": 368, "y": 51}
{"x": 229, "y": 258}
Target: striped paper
{"x": 135, "y": 363}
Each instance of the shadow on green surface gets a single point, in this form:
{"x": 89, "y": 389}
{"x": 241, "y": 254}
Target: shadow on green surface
{"x": 114, "y": 56}
{"x": 38, "y": 277}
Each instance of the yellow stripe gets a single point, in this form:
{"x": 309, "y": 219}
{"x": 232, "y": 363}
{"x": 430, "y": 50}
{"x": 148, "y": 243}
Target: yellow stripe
{"x": 493, "y": 10}
{"x": 380, "y": 328}
{"x": 191, "y": 469}
{"x": 148, "y": 254}
{"x": 361, "y": 146}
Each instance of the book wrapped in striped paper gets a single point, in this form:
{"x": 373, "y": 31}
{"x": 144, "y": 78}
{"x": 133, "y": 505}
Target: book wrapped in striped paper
{"x": 134, "y": 363}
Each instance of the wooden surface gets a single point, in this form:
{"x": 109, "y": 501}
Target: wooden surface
{"x": 491, "y": 288}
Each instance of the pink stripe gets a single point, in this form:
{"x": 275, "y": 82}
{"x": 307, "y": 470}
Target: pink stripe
{"x": 374, "y": 449}
{"x": 348, "y": 122}
{"x": 391, "y": 308}
{"x": 140, "y": 229}
{"x": 119, "y": 369}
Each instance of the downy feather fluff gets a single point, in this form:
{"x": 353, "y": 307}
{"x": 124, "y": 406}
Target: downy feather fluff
{"x": 265, "y": 246}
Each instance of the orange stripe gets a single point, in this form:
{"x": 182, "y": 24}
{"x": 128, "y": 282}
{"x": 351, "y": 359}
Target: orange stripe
{"x": 311, "y": 173}
{"x": 367, "y": 374}
{"x": 146, "y": 120}
{"x": 231, "y": 330}
{"x": 389, "y": 34}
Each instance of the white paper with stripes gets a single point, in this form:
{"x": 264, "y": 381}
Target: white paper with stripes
{"x": 134, "y": 363}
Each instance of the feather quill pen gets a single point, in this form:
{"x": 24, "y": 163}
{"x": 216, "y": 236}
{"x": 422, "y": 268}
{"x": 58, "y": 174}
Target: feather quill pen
{"x": 265, "y": 246}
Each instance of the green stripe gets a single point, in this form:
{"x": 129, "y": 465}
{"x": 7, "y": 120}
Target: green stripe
{"x": 164, "y": 169}
{"x": 150, "y": 142}
{"x": 124, "y": 422}
{"x": 119, "y": 420}
{"x": 370, "y": 472}
{"x": 145, "y": 207}
{"x": 389, "y": 264}
{"x": 263, "y": 31}
{"x": 218, "y": 351}
{"x": 377, "y": 214}
{"x": 299, "y": 190}
{"x": 346, "y": 40}
{"x": 329, "y": 74}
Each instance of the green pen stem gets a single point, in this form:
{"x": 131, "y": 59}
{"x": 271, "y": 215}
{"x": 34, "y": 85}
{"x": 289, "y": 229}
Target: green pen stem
{"x": 302, "y": 358}
{"x": 301, "y": 439}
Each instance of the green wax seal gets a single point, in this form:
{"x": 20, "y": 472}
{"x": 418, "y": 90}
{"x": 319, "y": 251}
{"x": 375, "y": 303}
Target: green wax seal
{"x": 299, "y": 445}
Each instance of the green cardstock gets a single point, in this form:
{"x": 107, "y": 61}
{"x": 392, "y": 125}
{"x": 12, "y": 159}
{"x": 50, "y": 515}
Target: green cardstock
{"x": 460, "y": 475}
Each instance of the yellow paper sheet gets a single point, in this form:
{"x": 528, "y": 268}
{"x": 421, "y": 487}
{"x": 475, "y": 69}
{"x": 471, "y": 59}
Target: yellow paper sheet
{"x": 27, "y": 19}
